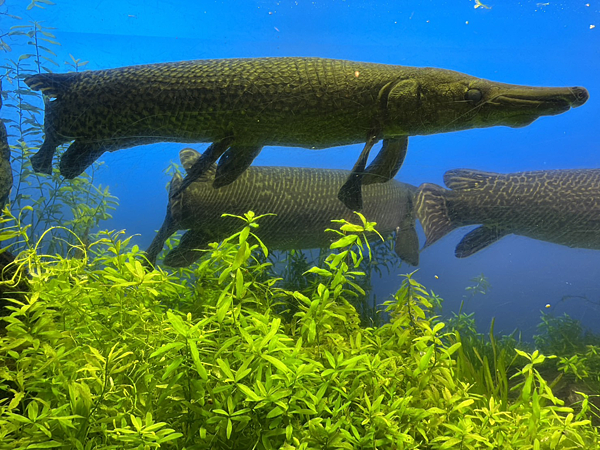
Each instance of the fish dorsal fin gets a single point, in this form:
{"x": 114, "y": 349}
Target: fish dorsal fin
{"x": 189, "y": 156}
{"x": 462, "y": 179}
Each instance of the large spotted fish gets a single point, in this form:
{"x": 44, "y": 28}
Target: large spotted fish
{"x": 241, "y": 105}
{"x": 304, "y": 201}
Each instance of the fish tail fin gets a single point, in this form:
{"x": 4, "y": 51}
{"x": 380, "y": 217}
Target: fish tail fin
{"x": 432, "y": 211}
{"x": 51, "y": 84}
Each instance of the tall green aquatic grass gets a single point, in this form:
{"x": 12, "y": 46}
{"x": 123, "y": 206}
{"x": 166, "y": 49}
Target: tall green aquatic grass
{"x": 94, "y": 359}
{"x": 43, "y": 201}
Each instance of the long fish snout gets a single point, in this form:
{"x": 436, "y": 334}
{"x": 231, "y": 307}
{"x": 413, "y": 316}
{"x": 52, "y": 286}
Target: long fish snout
{"x": 518, "y": 106}
{"x": 557, "y": 98}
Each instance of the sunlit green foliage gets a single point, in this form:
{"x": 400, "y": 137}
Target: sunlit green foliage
{"x": 94, "y": 359}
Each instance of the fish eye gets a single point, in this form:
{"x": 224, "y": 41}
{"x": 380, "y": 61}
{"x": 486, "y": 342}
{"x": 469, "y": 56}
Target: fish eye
{"x": 473, "y": 95}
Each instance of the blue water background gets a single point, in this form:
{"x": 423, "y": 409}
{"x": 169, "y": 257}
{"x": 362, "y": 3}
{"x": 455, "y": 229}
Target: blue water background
{"x": 521, "y": 42}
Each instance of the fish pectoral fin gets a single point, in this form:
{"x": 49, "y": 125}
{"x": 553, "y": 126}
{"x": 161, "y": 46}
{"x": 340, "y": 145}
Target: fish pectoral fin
{"x": 463, "y": 179}
{"x": 41, "y": 162}
{"x": 188, "y": 157}
{"x": 388, "y": 161}
{"x": 432, "y": 212}
{"x": 407, "y": 242}
{"x": 478, "y": 239}
{"x": 203, "y": 164}
{"x": 169, "y": 226}
{"x": 233, "y": 163}
{"x": 174, "y": 205}
{"x": 189, "y": 249}
{"x": 350, "y": 193}
{"x": 79, "y": 156}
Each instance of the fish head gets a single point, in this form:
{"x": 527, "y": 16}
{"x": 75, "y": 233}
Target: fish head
{"x": 437, "y": 101}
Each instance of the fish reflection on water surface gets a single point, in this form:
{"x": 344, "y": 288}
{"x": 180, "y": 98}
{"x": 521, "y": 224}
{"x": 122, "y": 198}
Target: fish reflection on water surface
{"x": 559, "y": 206}
{"x": 303, "y": 199}
{"x": 241, "y": 105}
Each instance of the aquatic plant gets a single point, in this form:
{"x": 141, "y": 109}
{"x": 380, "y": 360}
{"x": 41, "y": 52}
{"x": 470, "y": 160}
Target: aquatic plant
{"x": 563, "y": 335}
{"x": 94, "y": 357}
{"x": 485, "y": 361}
{"x": 576, "y": 371}
{"x": 44, "y": 201}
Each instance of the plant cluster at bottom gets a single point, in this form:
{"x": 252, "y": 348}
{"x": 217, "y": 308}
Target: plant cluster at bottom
{"x": 94, "y": 359}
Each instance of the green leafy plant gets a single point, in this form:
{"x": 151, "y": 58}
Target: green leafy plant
{"x": 104, "y": 354}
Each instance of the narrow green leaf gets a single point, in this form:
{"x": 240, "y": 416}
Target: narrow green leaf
{"x": 173, "y": 366}
{"x": 426, "y": 358}
{"x": 319, "y": 271}
{"x": 167, "y": 347}
{"x": 178, "y": 324}
{"x": 224, "y": 366}
{"x": 49, "y": 444}
{"x": 249, "y": 393}
{"x": 196, "y": 358}
{"x": 274, "y": 329}
{"x": 277, "y": 363}
{"x": 344, "y": 242}
{"x": 240, "y": 290}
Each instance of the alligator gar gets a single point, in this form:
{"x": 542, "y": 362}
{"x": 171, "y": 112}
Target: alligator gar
{"x": 559, "y": 206}
{"x": 241, "y": 105}
{"x": 6, "y": 176}
{"x": 303, "y": 199}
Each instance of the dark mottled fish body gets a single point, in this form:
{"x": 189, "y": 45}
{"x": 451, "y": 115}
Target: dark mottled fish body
{"x": 559, "y": 206}
{"x": 6, "y": 176}
{"x": 240, "y": 105}
{"x": 304, "y": 201}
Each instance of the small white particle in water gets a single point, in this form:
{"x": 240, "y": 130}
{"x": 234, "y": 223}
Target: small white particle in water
{"x": 592, "y": 27}
{"x": 587, "y": 4}
{"x": 276, "y": 29}
{"x": 467, "y": 22}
